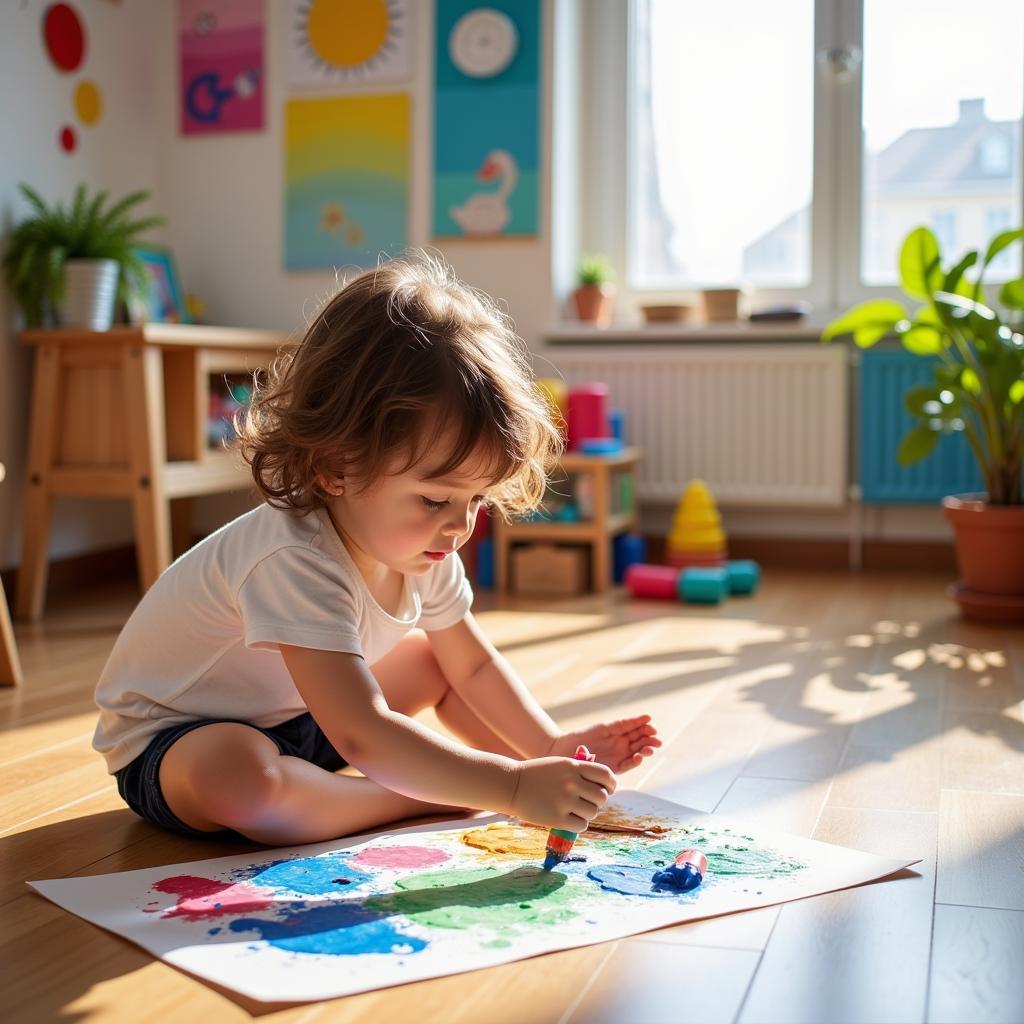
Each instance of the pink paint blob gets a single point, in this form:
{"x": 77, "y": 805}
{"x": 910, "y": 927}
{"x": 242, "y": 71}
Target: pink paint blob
{"x": 400, "y": 857}
{"x": 207, "y": 897}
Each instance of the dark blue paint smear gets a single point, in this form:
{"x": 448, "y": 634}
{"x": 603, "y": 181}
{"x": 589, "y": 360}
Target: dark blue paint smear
{"x": 338, "y": 929}
{"x": 631, "y": 881}
{"x": 331, "y": 875}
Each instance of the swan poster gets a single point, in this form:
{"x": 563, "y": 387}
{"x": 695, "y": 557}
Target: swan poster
{"x": 314, "y": 922}
{"x": 487, "y": 119}
{"x": 346, "y": 180}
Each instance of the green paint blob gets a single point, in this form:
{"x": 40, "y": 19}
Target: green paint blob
{"x": 729, "y": 854}
{"x": 502, "y": 901}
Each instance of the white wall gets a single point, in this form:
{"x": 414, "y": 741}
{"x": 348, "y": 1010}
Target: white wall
{"x": 118, "y": 153}
{"x": 223, "y": 197}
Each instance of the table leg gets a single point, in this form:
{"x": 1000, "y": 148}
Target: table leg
{"x": 32, "y": 573}
{"x": 10, "y": 666}
{"x": 143, "y": 376}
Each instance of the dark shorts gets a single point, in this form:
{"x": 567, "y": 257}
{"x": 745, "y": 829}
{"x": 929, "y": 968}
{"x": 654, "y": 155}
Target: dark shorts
{"x": 139, "y": 782}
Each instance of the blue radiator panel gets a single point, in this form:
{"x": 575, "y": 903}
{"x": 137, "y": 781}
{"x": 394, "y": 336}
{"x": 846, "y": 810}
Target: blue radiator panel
{"x": 885, "y": 377}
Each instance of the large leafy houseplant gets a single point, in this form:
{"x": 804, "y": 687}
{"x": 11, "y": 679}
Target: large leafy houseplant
{"x": 87, "y": 228}
{"x": 974, "y": 336}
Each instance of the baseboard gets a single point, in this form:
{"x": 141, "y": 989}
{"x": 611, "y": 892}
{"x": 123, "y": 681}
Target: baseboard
{"x": 833, "y": 553}
{"x": 109, "y": 565}
{"x": 118, "y": 565}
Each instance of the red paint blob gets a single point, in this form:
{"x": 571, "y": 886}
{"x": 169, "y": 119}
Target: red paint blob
{"x": 68, "y": 139}
{"x": 207, "y": 897}
{"x": 64, "y": 36}
{"x": 399, "y": 857}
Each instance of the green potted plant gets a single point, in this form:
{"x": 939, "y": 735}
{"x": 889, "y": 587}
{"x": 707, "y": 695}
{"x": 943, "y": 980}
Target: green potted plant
{"x": 974, "y": 339}
{"x": 595, "y": 293}
{"x": 67, "y": 264}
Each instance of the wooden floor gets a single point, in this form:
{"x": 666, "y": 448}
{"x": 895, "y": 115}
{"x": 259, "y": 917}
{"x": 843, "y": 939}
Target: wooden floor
{"x": 854, "y": 709}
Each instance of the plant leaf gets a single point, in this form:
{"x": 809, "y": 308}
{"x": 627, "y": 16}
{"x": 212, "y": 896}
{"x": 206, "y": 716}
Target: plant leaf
{"x": 1017, "y": 392}
{"x": 916, "y": 444}
{"x": 922, "y": 339}
{"x": 920, "y": 264}
{"x": 867, "y": 322}
{"x": 1000, "y": 242}
{"x": 952, "y": 281}
{"x": 1012, "y": 293}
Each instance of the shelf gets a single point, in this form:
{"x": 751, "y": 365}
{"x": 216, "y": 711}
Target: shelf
{"x": 576, "y": 462}
{"x": 588, "y": 531}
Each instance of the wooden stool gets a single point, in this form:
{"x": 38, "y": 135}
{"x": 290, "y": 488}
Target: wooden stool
{"x": 123, "y": 414}
{"x": 10, "y": 666}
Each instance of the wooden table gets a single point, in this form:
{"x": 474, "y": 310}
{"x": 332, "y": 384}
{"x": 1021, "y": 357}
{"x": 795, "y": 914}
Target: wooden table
{"x": 598, "y": 531}
{"x": 123, "y": 414}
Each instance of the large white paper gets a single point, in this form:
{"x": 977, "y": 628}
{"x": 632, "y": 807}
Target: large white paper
{"x": 315, "y": 922}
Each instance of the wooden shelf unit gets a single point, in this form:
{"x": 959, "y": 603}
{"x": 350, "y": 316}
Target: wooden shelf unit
{"x": 597, "y": 532}
{"x": 123, "y": 414}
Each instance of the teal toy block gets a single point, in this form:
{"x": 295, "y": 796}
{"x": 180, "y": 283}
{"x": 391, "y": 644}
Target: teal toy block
{"x": 703, "y": 586}
{"x": 743, "y": 576}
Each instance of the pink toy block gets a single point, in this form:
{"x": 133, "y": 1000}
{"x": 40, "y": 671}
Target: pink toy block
{"x": 657, "y": 581}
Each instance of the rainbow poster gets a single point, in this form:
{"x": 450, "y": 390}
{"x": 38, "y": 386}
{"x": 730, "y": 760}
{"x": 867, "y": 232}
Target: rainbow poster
{"x": 347, "y": 916}
{"x": 221, "y": 51}
{"x": 346, "y": 180}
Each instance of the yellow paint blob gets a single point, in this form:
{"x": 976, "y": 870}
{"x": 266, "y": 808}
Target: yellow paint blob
{"x": 347, "y": 33}
{"x": 88, "y": 102}
{"x": 508, "y": 840}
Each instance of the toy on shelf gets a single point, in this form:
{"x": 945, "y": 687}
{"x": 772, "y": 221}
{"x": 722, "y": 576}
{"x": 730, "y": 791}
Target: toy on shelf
{"x": 696, "y": 537}
{"x": 556, "y": 393}
{"x": 587, "y": 414}
{"x": 694, "y": 584}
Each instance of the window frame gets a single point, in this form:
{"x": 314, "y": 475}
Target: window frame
{"x": 609, "y": 32}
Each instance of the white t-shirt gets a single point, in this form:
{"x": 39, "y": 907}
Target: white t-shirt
{"x": 202, "y": 643}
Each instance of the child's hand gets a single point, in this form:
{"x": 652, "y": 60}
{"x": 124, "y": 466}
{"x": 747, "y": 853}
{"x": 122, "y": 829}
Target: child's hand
{"x": 558, "y": 792}
{"x": 621, "y": 745}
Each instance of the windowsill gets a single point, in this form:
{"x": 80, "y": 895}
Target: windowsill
{"x": 739, "y": 330}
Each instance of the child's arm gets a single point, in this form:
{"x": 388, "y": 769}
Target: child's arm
{"x": 403, "y": 755}
{"x": 491, "y": 688}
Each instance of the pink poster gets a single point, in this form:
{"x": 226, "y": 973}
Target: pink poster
{"x": 221, "y": 43}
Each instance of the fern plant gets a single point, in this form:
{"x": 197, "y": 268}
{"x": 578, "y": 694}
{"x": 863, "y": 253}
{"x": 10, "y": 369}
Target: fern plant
{"x": 85, "y": 229}
{"x": 594, "y": 271}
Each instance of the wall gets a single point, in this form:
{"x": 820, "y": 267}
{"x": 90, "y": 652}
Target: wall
{"x": 118, "y": 153}
{"x": 223, "y": 197}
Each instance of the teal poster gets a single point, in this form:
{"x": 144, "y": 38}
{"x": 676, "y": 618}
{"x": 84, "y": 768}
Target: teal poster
{"x": 487, "y": 119}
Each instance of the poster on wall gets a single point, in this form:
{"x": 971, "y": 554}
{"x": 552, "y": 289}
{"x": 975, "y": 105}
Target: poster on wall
{"x": 346, "y": 180}
{"x": 487, "y": 119}
{"x": 221, "y": 48}
{"x": 343, "y": 42}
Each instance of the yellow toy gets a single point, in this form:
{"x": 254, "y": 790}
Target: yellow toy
{"x": 696, "y": 537}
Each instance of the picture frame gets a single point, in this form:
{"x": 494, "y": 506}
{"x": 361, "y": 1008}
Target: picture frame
{"x": 164, "y": 302}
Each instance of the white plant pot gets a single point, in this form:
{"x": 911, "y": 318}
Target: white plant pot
{"x": 90, "y": 294}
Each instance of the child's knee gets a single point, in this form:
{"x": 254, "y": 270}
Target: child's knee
{"x": 228, "y": 775}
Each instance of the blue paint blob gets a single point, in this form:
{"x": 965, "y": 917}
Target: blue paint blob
{"x": 334, "y": 929}
{"x": 313, "y": 876}
{"x": 629, "y": 881}
{"x": 213, "y": 931}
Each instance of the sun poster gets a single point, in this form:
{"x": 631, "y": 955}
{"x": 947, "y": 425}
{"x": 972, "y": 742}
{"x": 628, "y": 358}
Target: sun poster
{"x": 347, "y": 916}
{"x": 346, "y": 180}
{"x": 221, "y": 65}
{"x": 487, "y": 119}
{"x": 343, "y": 42}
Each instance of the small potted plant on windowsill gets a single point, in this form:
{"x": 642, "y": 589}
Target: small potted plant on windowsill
{"x": 977, "y": 347}
{"x": 595, "y": 295}
{"x": 67, "y": 265}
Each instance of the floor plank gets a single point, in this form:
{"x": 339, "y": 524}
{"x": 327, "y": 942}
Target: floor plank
{"x": 857, "y": 709}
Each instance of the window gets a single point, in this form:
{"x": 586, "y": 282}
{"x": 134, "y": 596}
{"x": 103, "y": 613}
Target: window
{"x": 792, "y": 145}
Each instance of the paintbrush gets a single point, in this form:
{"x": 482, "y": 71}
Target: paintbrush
{"x": 629, "y": 830}
{"x": 559, "y": 839}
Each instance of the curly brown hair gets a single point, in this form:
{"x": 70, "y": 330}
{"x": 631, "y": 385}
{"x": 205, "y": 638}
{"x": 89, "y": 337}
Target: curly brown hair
{"x": 401, "y": 355}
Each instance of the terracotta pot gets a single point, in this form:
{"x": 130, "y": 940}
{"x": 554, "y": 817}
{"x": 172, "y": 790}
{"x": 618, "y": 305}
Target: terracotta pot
{"x": 990, "y": 555}
{"x": 594, "y": 303}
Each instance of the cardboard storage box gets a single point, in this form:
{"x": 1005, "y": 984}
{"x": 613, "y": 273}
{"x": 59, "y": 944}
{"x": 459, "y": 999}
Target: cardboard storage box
{"x": 549, "y": 569}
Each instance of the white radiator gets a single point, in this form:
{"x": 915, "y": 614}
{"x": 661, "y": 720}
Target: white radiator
{"x": 762, "y": 424}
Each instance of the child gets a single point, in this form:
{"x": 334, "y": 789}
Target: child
{"x": 307, "y": 633}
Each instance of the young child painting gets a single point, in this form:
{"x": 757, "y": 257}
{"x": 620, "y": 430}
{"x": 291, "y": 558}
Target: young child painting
{"x": 307, "y": 634}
